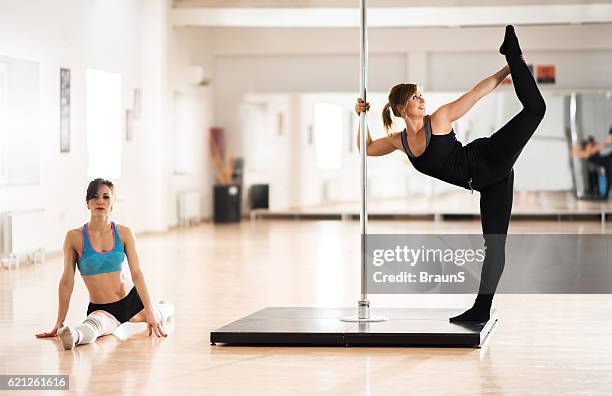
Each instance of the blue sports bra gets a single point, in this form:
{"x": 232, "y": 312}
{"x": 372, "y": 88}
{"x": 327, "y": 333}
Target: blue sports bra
{"x": 93, "y": 262}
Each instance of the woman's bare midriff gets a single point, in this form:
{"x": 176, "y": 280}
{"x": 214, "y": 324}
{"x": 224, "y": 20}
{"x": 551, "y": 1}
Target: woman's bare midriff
{"x": 107, "y": 288}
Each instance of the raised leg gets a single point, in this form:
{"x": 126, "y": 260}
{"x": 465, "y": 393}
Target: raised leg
{"x": 506, "y": 144}
{"x": 524, "y": 84}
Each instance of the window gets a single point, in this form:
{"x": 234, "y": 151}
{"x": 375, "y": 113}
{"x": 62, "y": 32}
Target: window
{"x": 103, "y": 123}
{"x": 328, "y": 135}
{"x": 19, "y": 122}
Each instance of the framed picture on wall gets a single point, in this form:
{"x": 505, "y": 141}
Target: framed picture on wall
{"x": 64, "y": 110}
{"x": 546, "y": 74}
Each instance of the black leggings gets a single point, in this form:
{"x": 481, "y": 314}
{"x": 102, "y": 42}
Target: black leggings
{"x": 491, "y": 161}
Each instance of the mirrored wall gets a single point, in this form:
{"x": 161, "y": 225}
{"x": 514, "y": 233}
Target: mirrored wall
{"x": 589, "y": 132}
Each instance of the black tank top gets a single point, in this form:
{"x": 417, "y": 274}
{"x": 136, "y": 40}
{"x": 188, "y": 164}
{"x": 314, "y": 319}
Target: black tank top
{"x": 444, "y": 157}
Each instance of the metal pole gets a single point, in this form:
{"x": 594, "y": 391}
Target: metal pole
{"x": 364, "y": 304}
{"x": 575, "y": 166}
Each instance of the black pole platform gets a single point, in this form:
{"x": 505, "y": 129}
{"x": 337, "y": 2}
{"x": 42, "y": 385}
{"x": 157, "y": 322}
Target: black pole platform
{"x": 298, "y": 326}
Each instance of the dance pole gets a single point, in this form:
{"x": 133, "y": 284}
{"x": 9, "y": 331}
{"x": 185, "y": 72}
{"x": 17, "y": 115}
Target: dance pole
{"x": 363, "y": 306}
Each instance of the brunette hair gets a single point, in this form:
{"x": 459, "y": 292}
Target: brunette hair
{"x": 398, "y": 97}
{"x": 94, "y": 185}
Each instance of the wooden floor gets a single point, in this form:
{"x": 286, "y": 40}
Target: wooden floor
{"x": 542, "y": 345}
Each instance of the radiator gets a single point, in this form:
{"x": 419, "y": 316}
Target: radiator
{"x": 21, "y": 236}
{"x": 189, "y": 210}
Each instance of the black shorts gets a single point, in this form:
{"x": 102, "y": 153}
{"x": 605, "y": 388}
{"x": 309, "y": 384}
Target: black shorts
{"x": 123, "y": 310}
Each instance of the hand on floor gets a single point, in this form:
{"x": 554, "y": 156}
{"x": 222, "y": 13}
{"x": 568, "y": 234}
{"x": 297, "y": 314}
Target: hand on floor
{"x": 154, "y": 324}
{"x": 52, "y": 333}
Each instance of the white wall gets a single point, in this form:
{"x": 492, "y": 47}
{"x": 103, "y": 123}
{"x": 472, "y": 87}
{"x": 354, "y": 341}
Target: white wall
{"x": 74, "y": 34}
{"x": 238, "y": 75}
{"x": 185, "y": 51}
{"x": 389, "y": 176}
{"x": 300, "y": 61}
{"x": 268, "y": 140}
{"x": 129, "y": 37}
{"x": 451, "y": 59}
{"x": 575, "y": 68}
{"x": 133, "y": 38}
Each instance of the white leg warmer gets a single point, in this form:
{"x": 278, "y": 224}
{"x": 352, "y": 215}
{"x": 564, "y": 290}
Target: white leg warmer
{"x": 94, "y": 326}
{"x": 90, "y": 329}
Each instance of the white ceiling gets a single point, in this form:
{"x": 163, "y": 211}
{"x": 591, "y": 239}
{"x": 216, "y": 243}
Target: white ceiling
{"x": 463, "y": 13}
{"x": 371, "y": 3}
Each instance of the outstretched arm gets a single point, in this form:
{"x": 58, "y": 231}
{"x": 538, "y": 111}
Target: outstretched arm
{"x": 582, "y": 154}
{"x": 66, "y": 284}
{"x": 454, "y": 110}
{"x": 599, "y": 146}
